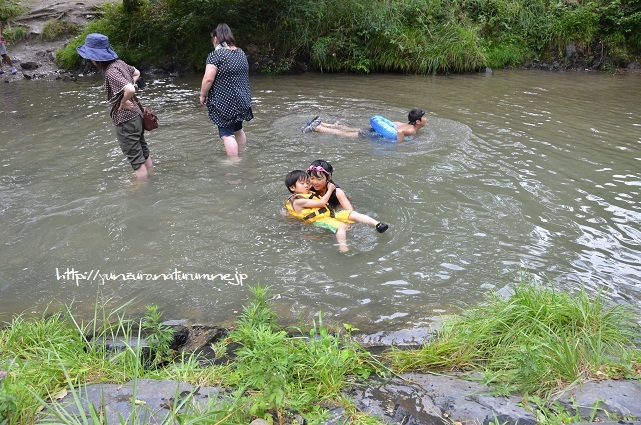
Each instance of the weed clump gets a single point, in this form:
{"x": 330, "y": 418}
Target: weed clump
{"x": 539, "y": 340}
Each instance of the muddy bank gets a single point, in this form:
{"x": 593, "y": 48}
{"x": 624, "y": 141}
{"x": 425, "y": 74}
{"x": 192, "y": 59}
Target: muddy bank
{"x": 35, "y": 58}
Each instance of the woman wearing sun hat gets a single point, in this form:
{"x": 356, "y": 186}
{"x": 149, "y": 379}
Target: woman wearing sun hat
{"x": 119, "y": 90}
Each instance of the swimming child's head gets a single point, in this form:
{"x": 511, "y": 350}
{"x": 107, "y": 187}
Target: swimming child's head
{"x": 415, "y": 115}
{"x": 294, "y": 177}
{"x": 320, "y": 168}
{"x": 320, "y": 173}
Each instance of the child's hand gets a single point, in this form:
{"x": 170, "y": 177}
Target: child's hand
{"x": 330, "y": 187}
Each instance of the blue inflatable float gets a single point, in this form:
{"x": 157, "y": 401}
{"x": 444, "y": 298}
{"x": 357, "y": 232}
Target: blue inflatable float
{"x": 383, "y": 126}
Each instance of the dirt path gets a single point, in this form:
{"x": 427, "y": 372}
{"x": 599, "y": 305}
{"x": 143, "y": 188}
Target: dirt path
{"x": 34, "y": 58}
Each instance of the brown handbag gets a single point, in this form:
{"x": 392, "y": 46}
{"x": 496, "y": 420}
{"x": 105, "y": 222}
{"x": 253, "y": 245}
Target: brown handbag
{"x": 149, "y": 119}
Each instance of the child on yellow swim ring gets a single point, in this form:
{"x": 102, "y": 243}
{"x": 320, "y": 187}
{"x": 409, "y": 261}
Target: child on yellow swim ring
{"x": 307, "y": 206}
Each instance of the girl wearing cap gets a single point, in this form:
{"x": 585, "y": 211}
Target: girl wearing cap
{"x": 225, "y": 89}
{"x": 119, "y": 91}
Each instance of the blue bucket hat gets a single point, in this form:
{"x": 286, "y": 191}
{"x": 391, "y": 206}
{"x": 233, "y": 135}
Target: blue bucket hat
{"x": 97, "y": 48}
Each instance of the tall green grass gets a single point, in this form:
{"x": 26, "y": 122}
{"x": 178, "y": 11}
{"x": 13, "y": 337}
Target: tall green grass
{"x": 45, "y": 355}
{"x": 539, "y": 340}
{"x": 362, "y": 36}
{"x": 10, "y": 9}
{"x": 53, "y": 30}
{"x": 292, "y": 373}
{"x": 272, "y": 373}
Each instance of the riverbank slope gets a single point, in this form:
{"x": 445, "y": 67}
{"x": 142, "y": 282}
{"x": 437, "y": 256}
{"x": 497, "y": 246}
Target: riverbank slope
{"x": 35, "y": 58}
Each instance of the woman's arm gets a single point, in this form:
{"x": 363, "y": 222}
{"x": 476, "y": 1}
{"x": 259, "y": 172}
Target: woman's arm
{"x": 136, "y": 75}
{"x": 128, "y": 92}
{"x": 208, "y": 80}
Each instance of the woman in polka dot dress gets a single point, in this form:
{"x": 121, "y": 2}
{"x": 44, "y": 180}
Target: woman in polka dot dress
{"x": 225, "y": 89}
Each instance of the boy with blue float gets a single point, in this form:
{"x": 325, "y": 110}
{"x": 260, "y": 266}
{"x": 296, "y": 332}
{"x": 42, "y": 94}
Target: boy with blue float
{"x": 380, "y": 127}
{"x": 307, "y": 206}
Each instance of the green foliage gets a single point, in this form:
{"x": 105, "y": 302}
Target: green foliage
{"x": 158, "y": 336}
{"x": 10, "y": 9}
{"x": 505, "y": 55}
{"x": 291, "y": 372}
{"x": 14, "y": 34}
{"x": 43, "y": 356}
{"x": 536, "y": 341}
{"x": 68, "y": 57}
{"x": 552, "y": 412}
{"x": 7, "y": 403}
{"x": 413, "y": 36}
{"x": 272, "y": 372}
{"x": 53, "y": 30}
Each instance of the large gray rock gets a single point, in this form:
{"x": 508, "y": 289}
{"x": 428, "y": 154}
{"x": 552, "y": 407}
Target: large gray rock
{"x": 146, "y": 400}
{"x": 437, "y": 399}
{"x": 411, "y": 399}
{"x": 622, "y": 397}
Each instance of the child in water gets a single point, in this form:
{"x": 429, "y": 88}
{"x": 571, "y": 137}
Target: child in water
{"x": 307, "y": 206}
{"x": 320, "y": 174}
{"x": 404, "y": 131}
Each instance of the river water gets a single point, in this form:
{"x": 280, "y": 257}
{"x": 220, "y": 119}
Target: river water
{"x": 515, "y": 171}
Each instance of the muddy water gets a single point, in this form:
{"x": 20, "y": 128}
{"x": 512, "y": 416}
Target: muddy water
{"x": 515, "y": 171}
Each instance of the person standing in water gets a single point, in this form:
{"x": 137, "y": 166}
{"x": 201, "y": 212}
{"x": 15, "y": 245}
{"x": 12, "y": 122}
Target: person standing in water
{"x": 120, "y": 80}
{"x": 225, "y": 89}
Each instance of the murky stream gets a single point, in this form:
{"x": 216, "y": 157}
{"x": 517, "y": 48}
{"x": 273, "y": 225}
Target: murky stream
{"x": 516, "y": 170}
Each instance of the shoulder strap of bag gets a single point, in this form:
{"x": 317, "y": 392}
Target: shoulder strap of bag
{"x": 135, "y": 98}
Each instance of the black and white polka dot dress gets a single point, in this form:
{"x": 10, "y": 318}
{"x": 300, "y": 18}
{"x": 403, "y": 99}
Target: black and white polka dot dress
{"x": 229, "y": 99}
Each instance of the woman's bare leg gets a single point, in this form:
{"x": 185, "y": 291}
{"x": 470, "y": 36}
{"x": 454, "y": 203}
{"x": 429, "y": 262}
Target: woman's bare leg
{"x": 231, "y": 146}
{"x": 241, "y": 138}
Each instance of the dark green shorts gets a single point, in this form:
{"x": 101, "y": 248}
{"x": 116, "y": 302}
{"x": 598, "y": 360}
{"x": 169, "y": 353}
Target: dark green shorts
{"x": 131, "y": 137}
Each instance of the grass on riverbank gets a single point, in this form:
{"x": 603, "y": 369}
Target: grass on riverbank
{"x": 538, "y": 341}
{"x": 363, "y": 36}
{"x": 272, "y": 373}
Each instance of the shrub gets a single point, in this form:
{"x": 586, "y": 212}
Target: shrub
{"x": 53, "y": 30}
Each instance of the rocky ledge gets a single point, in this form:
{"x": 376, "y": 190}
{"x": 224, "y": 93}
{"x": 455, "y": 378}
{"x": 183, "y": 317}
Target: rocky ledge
{"x": 408, "y": 399}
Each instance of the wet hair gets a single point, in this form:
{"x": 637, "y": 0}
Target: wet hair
{"x": 312, "y": 171}
{"x": 293, "y": 177}
{"x": 415, "y": 115}
{"x": 224, "y": 35}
